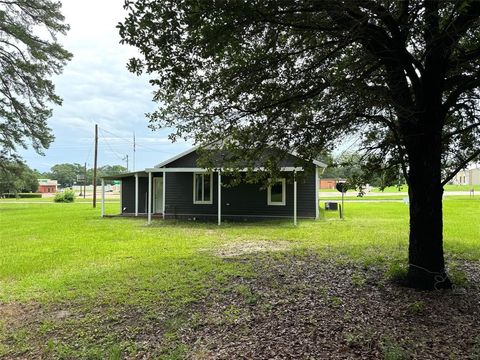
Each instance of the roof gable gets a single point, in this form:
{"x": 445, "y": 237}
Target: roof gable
{"x": 188, "y": 159}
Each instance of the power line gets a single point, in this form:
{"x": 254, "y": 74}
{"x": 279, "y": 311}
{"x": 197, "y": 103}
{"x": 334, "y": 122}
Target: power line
{"x": 90, "y": 150}
{"x": 111, "y": 149}
{"x": 136, "y": 143}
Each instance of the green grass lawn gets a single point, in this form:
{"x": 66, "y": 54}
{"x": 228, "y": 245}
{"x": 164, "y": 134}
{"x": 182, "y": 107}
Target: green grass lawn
{"x": 108, "y": 198}
{"x": 64, "y": 256}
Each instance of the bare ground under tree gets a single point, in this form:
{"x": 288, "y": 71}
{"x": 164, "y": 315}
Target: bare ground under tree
{"x": 291, "y": 306}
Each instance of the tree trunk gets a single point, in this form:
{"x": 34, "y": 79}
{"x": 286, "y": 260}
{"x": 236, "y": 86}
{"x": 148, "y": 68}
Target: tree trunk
{"x": 426, "y": 261}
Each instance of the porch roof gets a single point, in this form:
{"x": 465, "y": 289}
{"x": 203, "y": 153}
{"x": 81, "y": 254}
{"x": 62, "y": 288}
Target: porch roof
{"x": 124, "y": 175}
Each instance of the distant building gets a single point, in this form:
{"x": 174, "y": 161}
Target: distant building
{"x": 469, "y": 176}
{"x": 329, "y": 183}
{"x": 46, "y": 186}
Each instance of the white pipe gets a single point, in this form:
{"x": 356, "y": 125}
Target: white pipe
{"x": 163, "y": 204}
{"x": 149, "y": 210}
{"x": 294, "y": 200}
{"x": 103, "y": 198}
{"x": 219, "y": 198}
{"x": 136, "y": 194}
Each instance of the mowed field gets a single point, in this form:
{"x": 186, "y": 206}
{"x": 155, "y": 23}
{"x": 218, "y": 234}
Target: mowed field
{"x": 74, "y": 285}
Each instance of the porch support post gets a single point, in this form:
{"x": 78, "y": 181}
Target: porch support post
{"x": 163, "y": 197}
{"x": 219, "y": 198}
{"x": 294, "y": 199}
{"x": 317, "y": 185}
{"x": 103, "y": 198}
{"x": 149, "y": 192}
{"x": 136, "y": 194}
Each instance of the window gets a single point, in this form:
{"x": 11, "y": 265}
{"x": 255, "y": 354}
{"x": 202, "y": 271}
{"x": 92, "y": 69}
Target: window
{"x": 202, "y": 188}
{"x": 276, "y": 193}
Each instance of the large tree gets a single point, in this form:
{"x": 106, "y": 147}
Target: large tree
{"x": 403, "y": 75}
{"x": 106, "y": 170}
{"x": 17, "y": 177}
{"x": 29, "y": 56}
{"x": 66, "y": 174}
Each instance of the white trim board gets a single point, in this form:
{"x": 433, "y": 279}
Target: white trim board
{"x": 203, "y": 170}
{"x": 180, "y": 215}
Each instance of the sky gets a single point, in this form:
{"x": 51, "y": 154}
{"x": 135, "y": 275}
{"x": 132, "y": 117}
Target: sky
{"x": 97, "y": 88}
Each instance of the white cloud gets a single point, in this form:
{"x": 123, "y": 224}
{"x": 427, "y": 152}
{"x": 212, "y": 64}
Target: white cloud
{"x": 97, "y": 88}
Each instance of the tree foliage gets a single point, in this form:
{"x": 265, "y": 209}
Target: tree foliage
{"x": 402, "y": 75}
{"x": 17, "y": 177}
{"x": 301, "y": 75}
{"x": 29, "y": 56}
{"x": 66, "y": 173}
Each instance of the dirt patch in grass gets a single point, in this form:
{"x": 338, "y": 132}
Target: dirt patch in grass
{"x": 15, "y": 315}
{"x": 251, "y": 247}
{"x": 302, "y": 307}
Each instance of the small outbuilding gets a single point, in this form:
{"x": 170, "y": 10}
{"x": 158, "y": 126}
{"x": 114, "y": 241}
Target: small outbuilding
{"x": 178, "y": 188}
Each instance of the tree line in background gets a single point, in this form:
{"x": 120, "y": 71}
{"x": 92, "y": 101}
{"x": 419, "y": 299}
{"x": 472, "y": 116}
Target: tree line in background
{"x": 67, "y": 174}
{"x": 18, "y": 177}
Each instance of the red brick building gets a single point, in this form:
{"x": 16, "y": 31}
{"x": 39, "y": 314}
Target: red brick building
{"x": 329, "y": 183}
{"x": 46, "y": 186}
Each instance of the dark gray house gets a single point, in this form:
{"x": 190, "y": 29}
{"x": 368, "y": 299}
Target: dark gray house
{"x": 178, "y": 188}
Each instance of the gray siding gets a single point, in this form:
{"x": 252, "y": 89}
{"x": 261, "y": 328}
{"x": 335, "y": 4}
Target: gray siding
{"x": 190, "y": 161}
{"x": 187, "y": 161}
{"x": 128, "y": 194}
{"x": 179, "y": 196}
{"x": 244, "y": 200}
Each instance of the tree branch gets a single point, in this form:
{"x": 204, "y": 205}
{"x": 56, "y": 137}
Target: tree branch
{"x": 460, "y": 167}
{"x": 461, "y": 131}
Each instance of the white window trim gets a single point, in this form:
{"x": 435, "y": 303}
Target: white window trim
{"x": 269, "y": 194}
{"x": 203, "y": 196}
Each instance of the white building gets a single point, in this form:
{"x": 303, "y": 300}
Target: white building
{"x": 468, "y": 176}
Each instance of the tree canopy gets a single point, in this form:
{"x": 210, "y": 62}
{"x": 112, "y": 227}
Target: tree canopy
{"x": 28, "y": 60}
{"x": 303, "y": 74}
{"x": 66, "y": 173}
{"x": 17, "y": 177}
{"x": 300, "y": 75}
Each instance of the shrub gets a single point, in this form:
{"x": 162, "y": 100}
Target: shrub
{"x": 65, "y": 196}
{"x": 29, "y": 195}
{"x": 21, "y": 195}
{"x": 69, "y": 195}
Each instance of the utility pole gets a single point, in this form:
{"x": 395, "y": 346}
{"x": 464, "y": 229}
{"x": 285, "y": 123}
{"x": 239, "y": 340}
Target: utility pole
{"x": 95, "y": 168}
{"x": 85, "y": 180}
